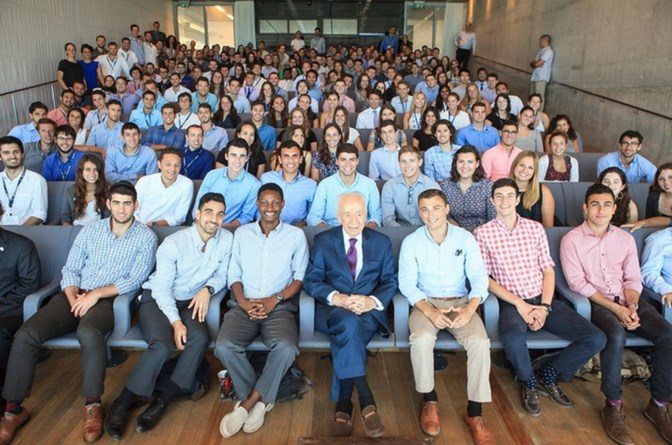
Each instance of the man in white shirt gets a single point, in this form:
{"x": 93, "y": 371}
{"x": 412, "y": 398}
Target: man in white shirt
{"x": 24, "y": 193}
{"x": 111, "y": 64}
{"x": 542, "y": 65}
{"x": 127, "y": 54}
{"x": 368, "y": 119}
{"x": 172, "y": 93}
{"x": 185, "y": 118}
{"x": 466, "y": 45}
{"x": 164, "y": 198}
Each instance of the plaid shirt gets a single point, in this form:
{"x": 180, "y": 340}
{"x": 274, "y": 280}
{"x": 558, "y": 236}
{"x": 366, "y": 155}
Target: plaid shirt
{"x": 516, "y": 258}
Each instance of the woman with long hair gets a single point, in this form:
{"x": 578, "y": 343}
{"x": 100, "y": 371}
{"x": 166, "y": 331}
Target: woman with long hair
{"x": 76, "y": 121}
{"x": 324, "y": 162}
{"x": 424, "y": 139}
{"x": 226, "y": 115}
{"x": 327, "y": 117}
{"x": 453, "y": 114}
{"x": 413, "y": 117}
{"x": 217, "y": 84}
{"x": 500, "y": 112}
{"x": 472, "y": 96}
{"x": 536, "y": 201}
{"x": 541, "y": 120}
{"x": 558, "y": 166}
{"x": 350, "y": 135}
{"x": 562, "y": 123}
{"x": 298, "y": 117}
{"x": 528, "y": 137}
{"x": 626, "y": 209}
{"x": 172, "y": 46}
{"x": 266, "y": 95}
{"x": 362, "y": 92}
{"x": 84, "y": 201}
{"x": 256, "y": 161}
{"x": 659, "y": 199}
{"x": 277, "y": 115}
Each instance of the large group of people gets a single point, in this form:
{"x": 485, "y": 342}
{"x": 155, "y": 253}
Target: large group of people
{"x": 137, "y": 124}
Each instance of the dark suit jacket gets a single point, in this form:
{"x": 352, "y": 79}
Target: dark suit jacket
{"x": 328, "y": 269}
{"x": 19, "y": 272}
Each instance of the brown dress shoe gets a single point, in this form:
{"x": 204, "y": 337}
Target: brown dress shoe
{"x": 10, "y": 423}
{"x": 342, "y": 424}
{"x": 429, "y": 418}
{"x": 373, "y": 424}
{"x": 93, "y": 422}
{"x": 660, "y": 418}
{"x": 614, "y": 424}
{"x": 479, "y": 433}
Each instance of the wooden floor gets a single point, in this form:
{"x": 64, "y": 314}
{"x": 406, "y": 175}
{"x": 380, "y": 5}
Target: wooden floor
{"x": 56, "y": 408}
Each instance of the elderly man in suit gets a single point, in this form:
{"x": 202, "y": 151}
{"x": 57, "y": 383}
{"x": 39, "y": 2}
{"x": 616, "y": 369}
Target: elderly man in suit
{"x": 352, "y": 276}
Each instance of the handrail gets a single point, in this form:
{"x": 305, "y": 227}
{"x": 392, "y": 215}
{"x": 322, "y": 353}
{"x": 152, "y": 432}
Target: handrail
{"x": 27, "y": 88}
{"x": 590, "y": 93}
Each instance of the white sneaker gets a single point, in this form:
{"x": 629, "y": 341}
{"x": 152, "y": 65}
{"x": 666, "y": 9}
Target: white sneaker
{"x": 233, "y": 422}
{"x": 257, "y": 416}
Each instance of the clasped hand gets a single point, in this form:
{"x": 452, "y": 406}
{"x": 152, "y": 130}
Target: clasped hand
{"x": 83, "y": 302}
{"x": 356, "y": 303}
{"x": 259, "y": 308}
{"x": 628, "y": 317}
{"x": 534, "y": 315}
{"x": 452, "y": 318}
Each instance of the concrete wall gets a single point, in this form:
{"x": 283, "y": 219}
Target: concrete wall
{"x": 615, "y": 48}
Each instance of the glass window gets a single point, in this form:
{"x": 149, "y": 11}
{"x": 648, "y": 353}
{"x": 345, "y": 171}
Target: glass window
{"x": 340, "y": 26}
{"x": 273, "y": 27}
{"x": 220, "y": 25}
{"x": 191, "y": 25}
{"x": 305, "y": 26}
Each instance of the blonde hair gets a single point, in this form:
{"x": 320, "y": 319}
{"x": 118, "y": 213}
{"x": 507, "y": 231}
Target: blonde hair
{"x": 532, "y": 192}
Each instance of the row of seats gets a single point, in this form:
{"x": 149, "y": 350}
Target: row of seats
{"x": 54, "y": 242}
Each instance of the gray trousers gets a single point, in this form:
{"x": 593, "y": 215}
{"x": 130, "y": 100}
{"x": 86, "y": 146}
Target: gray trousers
{"x": 158, "y": 333}
{"x": 278, "y": 332}
{"x": 55, "y": 320}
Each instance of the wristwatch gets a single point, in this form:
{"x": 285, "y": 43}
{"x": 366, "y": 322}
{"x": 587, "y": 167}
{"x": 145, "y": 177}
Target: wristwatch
{"x": 211, "y": 290}
{"x": 280, "y": 297}
{"x": 548, "y": 307}
{"x": 636, "y": 305}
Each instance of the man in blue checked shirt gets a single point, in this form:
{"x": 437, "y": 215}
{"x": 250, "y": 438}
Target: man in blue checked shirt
{"x": 191, "y": 266}
{"x": 110, "y": 257}
{"x": 166, "y": 135}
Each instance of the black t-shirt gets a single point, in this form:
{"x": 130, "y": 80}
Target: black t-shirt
{"x": 71, "y": 72}
{"x": 427, "y": 141}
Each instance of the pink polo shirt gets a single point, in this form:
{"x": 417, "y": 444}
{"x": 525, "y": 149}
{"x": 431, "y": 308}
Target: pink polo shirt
{"x": 497, "y": 162}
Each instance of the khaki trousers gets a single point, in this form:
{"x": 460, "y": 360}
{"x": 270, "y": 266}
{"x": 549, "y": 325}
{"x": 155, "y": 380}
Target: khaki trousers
{"x": 472, "y": 337}
{"x": 539, "y": 87}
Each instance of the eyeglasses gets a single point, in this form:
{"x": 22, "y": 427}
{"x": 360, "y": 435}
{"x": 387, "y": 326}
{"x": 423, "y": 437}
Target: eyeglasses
{"x": 631, "y": 143}
{"x": 65, "y": 139}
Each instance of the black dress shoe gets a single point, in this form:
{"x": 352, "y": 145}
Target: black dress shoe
{"x": 151, "y": 416}
{"x": 115, "y": 422}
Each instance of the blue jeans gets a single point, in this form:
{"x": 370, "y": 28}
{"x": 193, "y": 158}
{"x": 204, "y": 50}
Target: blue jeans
{"x": 587, "y": 340}
{"x": 653, "y": 328}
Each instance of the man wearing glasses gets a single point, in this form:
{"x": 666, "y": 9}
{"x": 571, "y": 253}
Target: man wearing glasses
{"x": 636, "y": 167}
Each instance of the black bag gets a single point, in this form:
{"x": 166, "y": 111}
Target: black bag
{"x": 293, "y": 386}
{"x": 198, "y": 387}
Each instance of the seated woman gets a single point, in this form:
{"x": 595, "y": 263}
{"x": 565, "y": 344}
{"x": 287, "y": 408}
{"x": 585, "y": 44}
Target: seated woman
{"x": 226, "y": 115}
{"x": 528, "y": 137}
{"x": 468, "y": 190}
{"x": 472, "y": 96}
{"x": 657, "y": 264}
{"x": 562, "y": 123}
{"x": 277, "y": 115}
{"x": 413, "y": 117}
{"x": 500, "y": 112}
{"x": 362, "y": 92}
{"x": 84, "y": 201}
{"x": 327, "y": 117}
{"x": 294, "y": 133}
{"x": 541, "y": 120}
{"x": 324, "y": 161}
{"x": 536, "y": 201}
{"x": 558, "y": 166}
{"x": 387, "y": 112}
{"x": 626, "y": 209}
{"x": 76, "y": 119}
{"x": 256, "y": 161}
{"x": 350, "y": 135}
{"x": 659, "y": 200}
{"x": 424, "y": 139}
{"x": 266, "y": 95}
{"x": 453, "y": 114}
{"x": 298, "y": 117}
{"x": 441, "y": 101}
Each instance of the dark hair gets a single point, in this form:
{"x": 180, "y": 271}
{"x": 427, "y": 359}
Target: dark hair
{"x": 571, "y": 133}
{"x": 7, "y": 140}
{"x": 508, "y": 103}
{"x": 67, "y": 91}
{"x": 86, "y": 46}
{"x": 129, "y": 126}
{"x": 233, "y": 113}
{"x": 654, "y": 186}
{"x": 239, "y": 143}
{"x": 205, "y": 105}
{"x": 271, "y": 187}
{"x": 501, "y": 183}
{"x": 597, "y": 189}
{"x": 255, "y": 147}
{"x": 123, "y": 188}
{"x": 37, "y": 105}
{"x": 209, "y": 197}
{"x": 169, "y": 151}
{"x": 116, "y": 102}
{"x": 450, "y": 126}
{"x": 80, "y": 186}
{"x": 622, "y": 214}
{"x": 288, "y": 133}
{"x": 431, "y": 193}
{"x": 168, "y": 106}
{"x": 479, "y": 104}
{"x": 628, "y": 134}
{"x": 67, "y": 130}
{"x": 181, "y": 95}
{"x": 323, "y": 150}
{"x": 81, "y": 115}
{"x": 509, "y": 123}
{"x": 149, "y": 93}
{"x": 478, "y": 174}
{"x": 347, "y": 148}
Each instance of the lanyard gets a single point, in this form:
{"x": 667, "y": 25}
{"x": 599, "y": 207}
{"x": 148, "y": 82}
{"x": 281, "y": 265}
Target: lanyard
{"x": 4, "y": 185}
{"x": 101, "y": 119}
{"x": 417, "y": 122}
{"x": 453, "y": 117}
{"x": 188, "y": 166}
{"x": 148, "y": 120}
{"x": 403, "y": 105}
{"x": 112, "y": 65}
{"x": 65, "y": 174}
{"x": 182, "y": 122}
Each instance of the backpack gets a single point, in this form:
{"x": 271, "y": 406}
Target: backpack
{"x": 198, "y": 387}
{"x": 293, "y": 386}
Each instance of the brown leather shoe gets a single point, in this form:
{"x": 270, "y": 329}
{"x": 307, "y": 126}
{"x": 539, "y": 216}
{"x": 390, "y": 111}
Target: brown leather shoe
{"x": 10, "y": 423}
{"x": 429, "y": 418}
{"x": 373, "y": 424}
{"x": 342, "y": 424}
{"x": 93, "y": 422}
{"x": 479, "y": 433}
{"x": 660, "y": 418}
{"x": 614, "y": 424}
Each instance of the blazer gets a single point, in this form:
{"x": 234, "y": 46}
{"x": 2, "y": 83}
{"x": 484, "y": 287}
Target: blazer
{"x": 328, "y": 269}
{"x": 19, "y": 272}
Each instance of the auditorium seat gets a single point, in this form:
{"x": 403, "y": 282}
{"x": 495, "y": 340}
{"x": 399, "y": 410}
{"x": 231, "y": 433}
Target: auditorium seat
{"x": 55, "y": 192}
{"x": 587, "y": 165}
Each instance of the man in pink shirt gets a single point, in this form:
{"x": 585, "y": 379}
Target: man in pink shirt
{"x": 600, "y": 262}
{"x": 497, "y": 161}
{"x": 60, "y": 113}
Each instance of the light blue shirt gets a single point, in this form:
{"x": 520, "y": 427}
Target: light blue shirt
{"x": 400, "y": 202}
{"x": 138, "y": 48}
{"x": 267, "y": 265}
{"x": 215, "y": 139}
{"x": 240, "y": 194}
{"x": 640, "y": 169}
{"x": 543, "y": 72}
{"x": 298, "y": 195}
{"x": 241, "y": 104}
{"x": 430, "y": 93}
{"x": 210, "y": 99}
{"x": 183, "y": 268}
{"x": 268, "y": 137}
{"x": 402, "y": 107}
{"x": 121, "y": 167}
{"x": 482, "y": 140}
{"x": 384, "y": 164}
{"x": 103, "y": 137}
{"x": 26, "y": 133}
{"x": 438, "y": 163}
{"x": 145, "y": 121}
{"x": 423, "y": 265}
{"x": 657, "y": 262}
{"x": 328, "y": 190}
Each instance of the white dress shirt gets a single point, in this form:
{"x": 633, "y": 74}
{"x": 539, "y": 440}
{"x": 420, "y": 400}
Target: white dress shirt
{"x": 157, "y": 202}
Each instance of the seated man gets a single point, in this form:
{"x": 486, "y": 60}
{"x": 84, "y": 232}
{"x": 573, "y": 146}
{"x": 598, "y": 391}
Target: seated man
{"x": 131, "y": 161}
{"x": 191, "y": 266}
{"x": 636, "y": 167}
{"x": 62, "y": 165}
{"x": 297, "y": 189}
{"x": 440, "y": 300}
{"x": 600, "y": 262}
{"x": 234, "y": 182}
{"x": 146, "y": 116}
{"x": 267, "y": 269}
{"x": 36, "y": 152}
{"x": 324, "y": 209}
{"x": 108, "y": 258}
{"x": 384, "y": 161}
{"x": 267, "y": 134}
{"x": 19, "y": 277}
{"x": 214, "y": 138}
{"x": 368, "y": 119}
{"x": 196, "y": 160}
{"x": 107, "y": 134}
{"x": 60, "y": 114}
{"x": 185, "y": 118}
{"x": 518, "y": 260}
{"x": 497, "y": 160}
{"x": 399, "y": 194}
{"x": 164, "y": 198}
{"x": 657, "y": 264}
{"x": 28, "y": 132}
{"x": 25, "y": 199}
{"x": 165, "y": 135}
{"x": 351, "y": 296}
{"x": 203, "y": 95}
{"x": 477, "y": 133}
